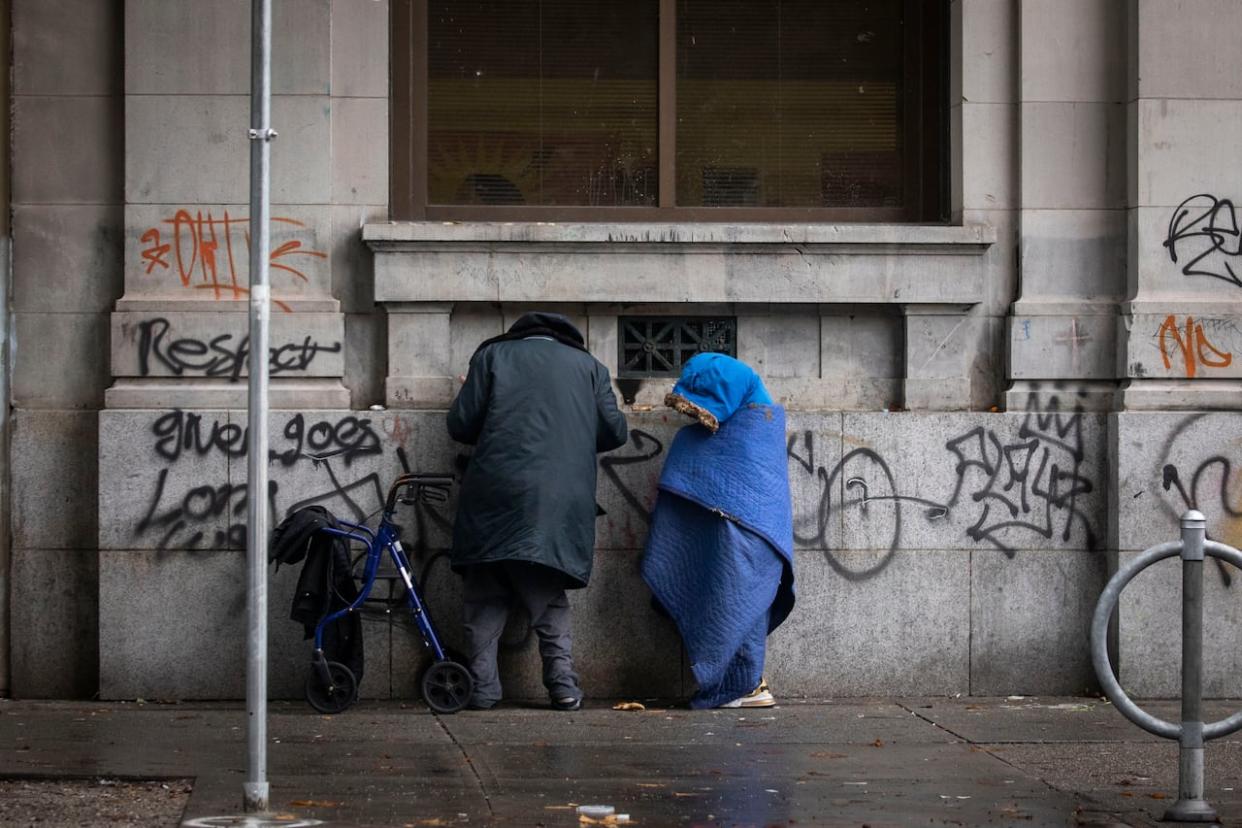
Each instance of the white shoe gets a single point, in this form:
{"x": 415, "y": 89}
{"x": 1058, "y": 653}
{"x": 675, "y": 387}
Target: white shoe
{"x": 761, "y": 696}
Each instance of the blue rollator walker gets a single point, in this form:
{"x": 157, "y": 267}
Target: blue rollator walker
{"x": 446, "y": 684}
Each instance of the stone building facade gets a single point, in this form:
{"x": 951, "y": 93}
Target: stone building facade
{"x": 992, "y": 402}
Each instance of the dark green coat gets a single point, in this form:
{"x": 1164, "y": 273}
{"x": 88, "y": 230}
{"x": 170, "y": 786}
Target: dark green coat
{"x": 537, "y": 411}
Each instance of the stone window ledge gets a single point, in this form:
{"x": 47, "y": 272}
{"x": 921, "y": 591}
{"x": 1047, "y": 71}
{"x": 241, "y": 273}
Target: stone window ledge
{"x": 387, "y": 235}
{"x": 699, "y": 262}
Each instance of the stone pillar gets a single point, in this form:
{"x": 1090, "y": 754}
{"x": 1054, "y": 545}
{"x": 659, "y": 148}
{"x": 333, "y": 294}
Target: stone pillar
{"x": 1181, "y": 343}
{"x": 1062, "y": 328}
{"x": 179, "y": 332}
{"x": 940, "y": 345}
{"x": 1179, "y": 337}
{"x": 420, "y": 373}
{"x": 861, "y": 358}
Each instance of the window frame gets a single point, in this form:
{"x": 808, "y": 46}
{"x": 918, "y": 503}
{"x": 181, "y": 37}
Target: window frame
{"x": 926, "y": 173}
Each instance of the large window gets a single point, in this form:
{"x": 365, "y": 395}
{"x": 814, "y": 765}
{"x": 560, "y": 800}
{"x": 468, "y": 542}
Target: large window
{"x": 677, "y": 110}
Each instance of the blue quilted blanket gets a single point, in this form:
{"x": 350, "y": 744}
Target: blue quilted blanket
{"x": 719, "y": 555}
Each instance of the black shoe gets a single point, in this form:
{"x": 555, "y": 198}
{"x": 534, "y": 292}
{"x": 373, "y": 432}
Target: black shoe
{"x": 568, "y": 703}
{"x": 474, "y": 705}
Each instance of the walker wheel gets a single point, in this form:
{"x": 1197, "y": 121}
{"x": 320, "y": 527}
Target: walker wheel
{"x": 335, "y": 697}
{"x": 447, "y": 686}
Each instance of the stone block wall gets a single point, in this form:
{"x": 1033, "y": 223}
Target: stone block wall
{"x": 130, "y": 256}
{"x": 186, "y": 178}
{"x": 68, "y": 143}
{"x": 1085, "y": 292}
{"x": 936, "y": 553}
{"x": 949, "y": 553}
{"x": 1167, "y": 463}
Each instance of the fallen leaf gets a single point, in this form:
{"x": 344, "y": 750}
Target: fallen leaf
{"x": 878, "y": 743}
{"x": 629, "y": 706}
{"x": 313, "y": 803}
{"x": 1158, "y": 795}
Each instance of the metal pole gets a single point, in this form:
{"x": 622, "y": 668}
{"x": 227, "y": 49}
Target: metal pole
{"x": 256, "y": 794}
{"x": 1190, "y": 805}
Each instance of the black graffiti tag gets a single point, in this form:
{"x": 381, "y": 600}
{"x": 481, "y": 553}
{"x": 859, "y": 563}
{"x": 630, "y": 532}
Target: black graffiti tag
{"x": 1031, "y": 484}
{"x": 650, "y": 448}
{"x": 349, "y": 437}
{"x": 1214, "y": 222}
{"x": 862, "y": 465}
{"x": 182, "y": 523}
{"x": 179, "y": 431}
{"x": 221, "y": 356}
{"x": 1196, "y": 489}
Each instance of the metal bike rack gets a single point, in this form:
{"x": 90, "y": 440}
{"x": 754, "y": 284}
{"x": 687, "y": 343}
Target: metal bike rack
{"x": 1192, "y": 732}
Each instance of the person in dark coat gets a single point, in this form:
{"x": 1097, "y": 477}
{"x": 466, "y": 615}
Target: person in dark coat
{"x": 537, "y": 407}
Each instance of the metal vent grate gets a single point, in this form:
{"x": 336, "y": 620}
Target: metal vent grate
{"x": 657, "y": 346}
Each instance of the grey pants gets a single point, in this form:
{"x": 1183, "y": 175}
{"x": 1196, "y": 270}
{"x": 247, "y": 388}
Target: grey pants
{"x": 489, "y": 592}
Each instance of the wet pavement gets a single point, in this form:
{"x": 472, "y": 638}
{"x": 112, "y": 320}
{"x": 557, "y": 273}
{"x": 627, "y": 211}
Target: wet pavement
{"x": 884, "y": 762}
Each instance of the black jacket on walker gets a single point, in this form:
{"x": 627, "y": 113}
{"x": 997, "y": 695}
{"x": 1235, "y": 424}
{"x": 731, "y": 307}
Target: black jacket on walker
{"x": 537, "y": 407}
{"x": 325, "y": 584}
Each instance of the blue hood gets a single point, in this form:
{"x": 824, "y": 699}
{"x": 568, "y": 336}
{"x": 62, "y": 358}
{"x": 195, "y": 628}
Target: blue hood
{"x": 718, "y": 385}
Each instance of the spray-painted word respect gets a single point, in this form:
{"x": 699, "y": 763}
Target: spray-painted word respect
{"x": 224, "y": 355}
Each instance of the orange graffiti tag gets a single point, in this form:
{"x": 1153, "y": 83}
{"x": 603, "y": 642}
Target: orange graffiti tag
{"x": 157, "y": 253}
{"x": 1193, "y": 346}
{"x": 196, "y": 248}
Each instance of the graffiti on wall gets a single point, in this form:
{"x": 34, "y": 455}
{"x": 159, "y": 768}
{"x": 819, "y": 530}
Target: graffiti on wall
{"x": 344, "y": 463}
{"x": 210, "y": 514}
{"x": 205, "y": 252}
{"x": 1006, "y": 483}
{"x": 867, "y": 479}
{"x": 1204, "y": 238}
{"x": 1200, "y": 467}
{"x": 223, "y": 355}
{"x": 1186, "y": 345}
{"x": 1028, "y": 483}
{"x": 1009, "y": 487}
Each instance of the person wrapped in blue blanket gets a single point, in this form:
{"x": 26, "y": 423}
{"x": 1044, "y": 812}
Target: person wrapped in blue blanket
{"x": 719, "y": 555}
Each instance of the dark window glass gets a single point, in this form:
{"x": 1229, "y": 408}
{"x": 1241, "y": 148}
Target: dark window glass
{"x": 670, "y": 110}
{"x": 789, "y": 103}
{"x": 542, "y": 102}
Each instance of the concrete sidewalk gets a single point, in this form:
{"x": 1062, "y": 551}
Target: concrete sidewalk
{"x": 884, "y": 762}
